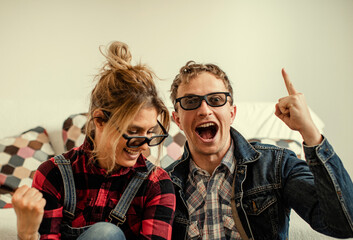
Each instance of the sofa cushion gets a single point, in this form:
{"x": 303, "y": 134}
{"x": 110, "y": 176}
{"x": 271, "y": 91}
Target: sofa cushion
{"x": 73, "y": 131}
{"x": 20, "y": 156}
{"x": 173, "y": 147}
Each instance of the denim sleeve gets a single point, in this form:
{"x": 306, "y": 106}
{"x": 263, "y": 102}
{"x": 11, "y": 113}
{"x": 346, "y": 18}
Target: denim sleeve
{"x": 328, "y": 170}
{"x": 320, "y": 190}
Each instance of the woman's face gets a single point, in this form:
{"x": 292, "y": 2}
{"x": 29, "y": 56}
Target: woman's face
{"x": 142, "y": 125}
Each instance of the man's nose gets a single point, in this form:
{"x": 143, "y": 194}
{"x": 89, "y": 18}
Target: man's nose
{"x": 204, "y": 108}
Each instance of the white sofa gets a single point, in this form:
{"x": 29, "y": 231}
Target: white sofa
{"x": 254, "y": 120}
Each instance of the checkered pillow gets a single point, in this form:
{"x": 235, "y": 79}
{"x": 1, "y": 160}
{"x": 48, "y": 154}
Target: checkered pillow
{"x": 74, "y": 130}
{"x": 173, "y": 147}
{"x": 20, "y": 156}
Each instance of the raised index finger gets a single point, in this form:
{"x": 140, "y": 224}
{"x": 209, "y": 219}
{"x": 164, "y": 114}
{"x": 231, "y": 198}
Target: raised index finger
{"x": 291, "y": 90}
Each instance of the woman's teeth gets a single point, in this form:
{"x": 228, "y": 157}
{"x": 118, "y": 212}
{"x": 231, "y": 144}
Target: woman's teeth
{"x": 131, "y": 151}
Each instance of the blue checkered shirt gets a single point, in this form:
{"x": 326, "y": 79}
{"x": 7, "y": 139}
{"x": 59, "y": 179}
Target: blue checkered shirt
{"x": 208, "y": 200}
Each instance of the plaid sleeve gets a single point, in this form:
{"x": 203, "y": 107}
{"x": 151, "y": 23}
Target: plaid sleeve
{"x": 160, "y": 207}
{"x": 47, "y": 179}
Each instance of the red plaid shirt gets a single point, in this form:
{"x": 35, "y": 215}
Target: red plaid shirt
{"x": 151, "y": 212}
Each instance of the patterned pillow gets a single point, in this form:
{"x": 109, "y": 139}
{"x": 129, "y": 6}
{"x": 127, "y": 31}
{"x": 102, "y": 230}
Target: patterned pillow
{"x": 20, "y": 156}
{"x": 74, "y": 130}
{"x": 173, "y": 147}
{"x": 293, "y": 145}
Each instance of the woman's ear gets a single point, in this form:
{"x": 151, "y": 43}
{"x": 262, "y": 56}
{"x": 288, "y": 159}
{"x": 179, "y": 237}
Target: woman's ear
{"x": 99, "y": 119}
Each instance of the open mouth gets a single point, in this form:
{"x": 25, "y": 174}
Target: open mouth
{"x": 207, "y": 131}
{"x": 131, "y": 152}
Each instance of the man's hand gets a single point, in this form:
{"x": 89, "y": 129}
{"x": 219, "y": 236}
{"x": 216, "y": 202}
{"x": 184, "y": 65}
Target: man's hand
{"x": 29, "y": 207}
{"x": 294, "y": 112}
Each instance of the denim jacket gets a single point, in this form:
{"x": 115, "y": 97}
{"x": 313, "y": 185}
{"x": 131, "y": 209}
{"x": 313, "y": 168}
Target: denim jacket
{"x": 270, "y": 181}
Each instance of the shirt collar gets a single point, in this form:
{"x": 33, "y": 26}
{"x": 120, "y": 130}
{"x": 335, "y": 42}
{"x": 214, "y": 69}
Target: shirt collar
{"x": 228, "y": 161}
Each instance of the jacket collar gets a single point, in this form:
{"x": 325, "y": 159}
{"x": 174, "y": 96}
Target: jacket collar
{"x": 179, "y": 170}
{"x": 244, "y": 152}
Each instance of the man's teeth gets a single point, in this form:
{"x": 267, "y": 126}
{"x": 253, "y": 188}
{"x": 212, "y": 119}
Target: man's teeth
{"x": 131, "y": 152}
{"x": 206, "y": 125}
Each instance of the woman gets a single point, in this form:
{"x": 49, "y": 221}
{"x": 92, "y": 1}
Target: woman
{"x": 122, "y": 123}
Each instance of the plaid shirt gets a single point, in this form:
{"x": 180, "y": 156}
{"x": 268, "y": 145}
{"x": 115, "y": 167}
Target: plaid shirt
{"x": 151, "y": 212}
{"x": 208, "y": 200}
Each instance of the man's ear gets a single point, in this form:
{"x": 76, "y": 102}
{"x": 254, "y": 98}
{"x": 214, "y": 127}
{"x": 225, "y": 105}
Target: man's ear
{"x": 177, "y": 119}
{"x": 233, "y": 112}
{"x": 99, "y": 119}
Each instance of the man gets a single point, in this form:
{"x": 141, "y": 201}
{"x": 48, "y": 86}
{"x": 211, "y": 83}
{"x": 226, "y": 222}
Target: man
{"x": 264, "y": 182}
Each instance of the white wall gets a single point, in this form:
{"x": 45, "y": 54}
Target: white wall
{"x": 49, "y": 53}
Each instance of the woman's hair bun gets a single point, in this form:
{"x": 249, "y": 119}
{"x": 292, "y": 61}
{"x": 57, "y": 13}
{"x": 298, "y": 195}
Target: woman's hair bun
{"x": 118, "y": 55}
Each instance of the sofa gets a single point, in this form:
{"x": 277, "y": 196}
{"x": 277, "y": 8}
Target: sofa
{"x": 22, "y": 153}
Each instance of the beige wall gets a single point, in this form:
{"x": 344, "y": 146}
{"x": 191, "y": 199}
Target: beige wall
{"x": 49, "y": 53}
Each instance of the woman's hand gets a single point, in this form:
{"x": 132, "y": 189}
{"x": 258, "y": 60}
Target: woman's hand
{"x": 294, "y": 112}
{"x": 29, "y": 207}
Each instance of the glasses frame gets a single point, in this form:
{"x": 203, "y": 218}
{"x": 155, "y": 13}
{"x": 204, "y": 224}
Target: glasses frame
{"x": 201, "y": 98}
{"x": 146, "y": 139}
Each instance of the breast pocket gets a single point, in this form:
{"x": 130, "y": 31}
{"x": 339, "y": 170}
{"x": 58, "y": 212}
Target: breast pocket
{"x": 261, "y": 209}
{"x": 256, "y": 204}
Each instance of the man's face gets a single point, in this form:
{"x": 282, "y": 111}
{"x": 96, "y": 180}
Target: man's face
{"x": 207, "y": 128}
